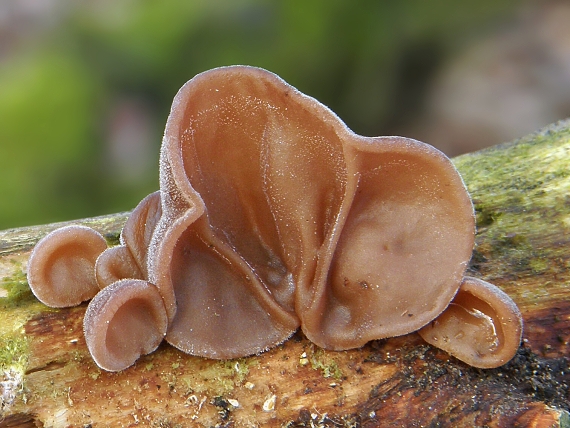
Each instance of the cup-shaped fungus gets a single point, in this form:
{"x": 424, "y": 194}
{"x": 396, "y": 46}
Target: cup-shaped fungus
{"x": 482, "y": 326}
{"x": 272, "y": 215}
{"x": 125, "y": 320}
{"x": 129, "y": 259}
{"x": 61, "y": 267}
{"x": 267, "y": 194}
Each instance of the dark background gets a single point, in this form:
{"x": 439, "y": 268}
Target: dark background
{"x": 85, "y": 87}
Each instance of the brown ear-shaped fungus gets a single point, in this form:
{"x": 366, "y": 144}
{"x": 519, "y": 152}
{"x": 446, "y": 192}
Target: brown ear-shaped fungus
{"x": 114, "y": 264}
{"x": 403, "y": 249}
{"x": 139, "y": 228}
{"x": 125, "y": 320}
{"x": 61, "y": 267}
{"x": 275, "y": 215}
{"x": 482, "y": 326}
{"x": 129, "y": 260}
{"x": 224, "y": 245}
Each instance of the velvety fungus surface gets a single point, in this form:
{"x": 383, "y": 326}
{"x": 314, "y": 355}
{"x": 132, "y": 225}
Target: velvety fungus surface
{"x": 272, "y": 216}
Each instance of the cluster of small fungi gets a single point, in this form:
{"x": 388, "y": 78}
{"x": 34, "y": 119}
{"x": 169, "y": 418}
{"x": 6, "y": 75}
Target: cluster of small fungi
{"x": 272, "y": 216}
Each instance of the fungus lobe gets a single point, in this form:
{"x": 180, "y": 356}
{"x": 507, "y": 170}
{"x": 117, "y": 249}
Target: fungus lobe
{"x": 482, "y": 326}
{"x": 272, "y": 215}
{"x": 61, "y": 267}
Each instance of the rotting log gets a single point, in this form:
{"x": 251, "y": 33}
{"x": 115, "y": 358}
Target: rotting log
{"x": 521, "y": 193}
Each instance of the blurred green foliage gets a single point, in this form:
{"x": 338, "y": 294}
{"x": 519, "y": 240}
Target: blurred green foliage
{"x": 368, "y": 60}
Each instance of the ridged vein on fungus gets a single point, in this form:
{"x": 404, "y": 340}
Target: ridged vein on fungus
{"x": 272, "y": 215}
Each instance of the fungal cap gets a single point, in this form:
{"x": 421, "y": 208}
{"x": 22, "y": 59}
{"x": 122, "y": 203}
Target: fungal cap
{"x": 481, "y": 327}
{"x": 114, "y": 264}
{"x": 306, "y": 222}
{"x": 61, "y": 267}
{"x": 402, "y": 250}
{"x": 139, "y": 228}
{"x": 125, "y": 320}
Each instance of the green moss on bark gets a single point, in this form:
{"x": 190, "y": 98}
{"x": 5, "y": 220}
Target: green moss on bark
{"x": 521, "y": 195}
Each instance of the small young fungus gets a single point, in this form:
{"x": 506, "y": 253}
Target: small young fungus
{"x": 273, "y": 215}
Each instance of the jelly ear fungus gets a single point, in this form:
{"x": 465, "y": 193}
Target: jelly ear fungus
{"x": 482, "y": 326}
{"x": 272, "y": 215}
{"x": 339, "y": 233}
{"x": 61, "y": 267}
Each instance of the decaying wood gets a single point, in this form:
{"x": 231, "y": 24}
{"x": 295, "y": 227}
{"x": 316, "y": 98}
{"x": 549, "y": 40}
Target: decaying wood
{"x": 521, "y": 193}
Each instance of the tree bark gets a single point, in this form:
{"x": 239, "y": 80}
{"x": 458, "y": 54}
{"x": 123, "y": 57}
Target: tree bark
{"x": 521, "y": 193}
